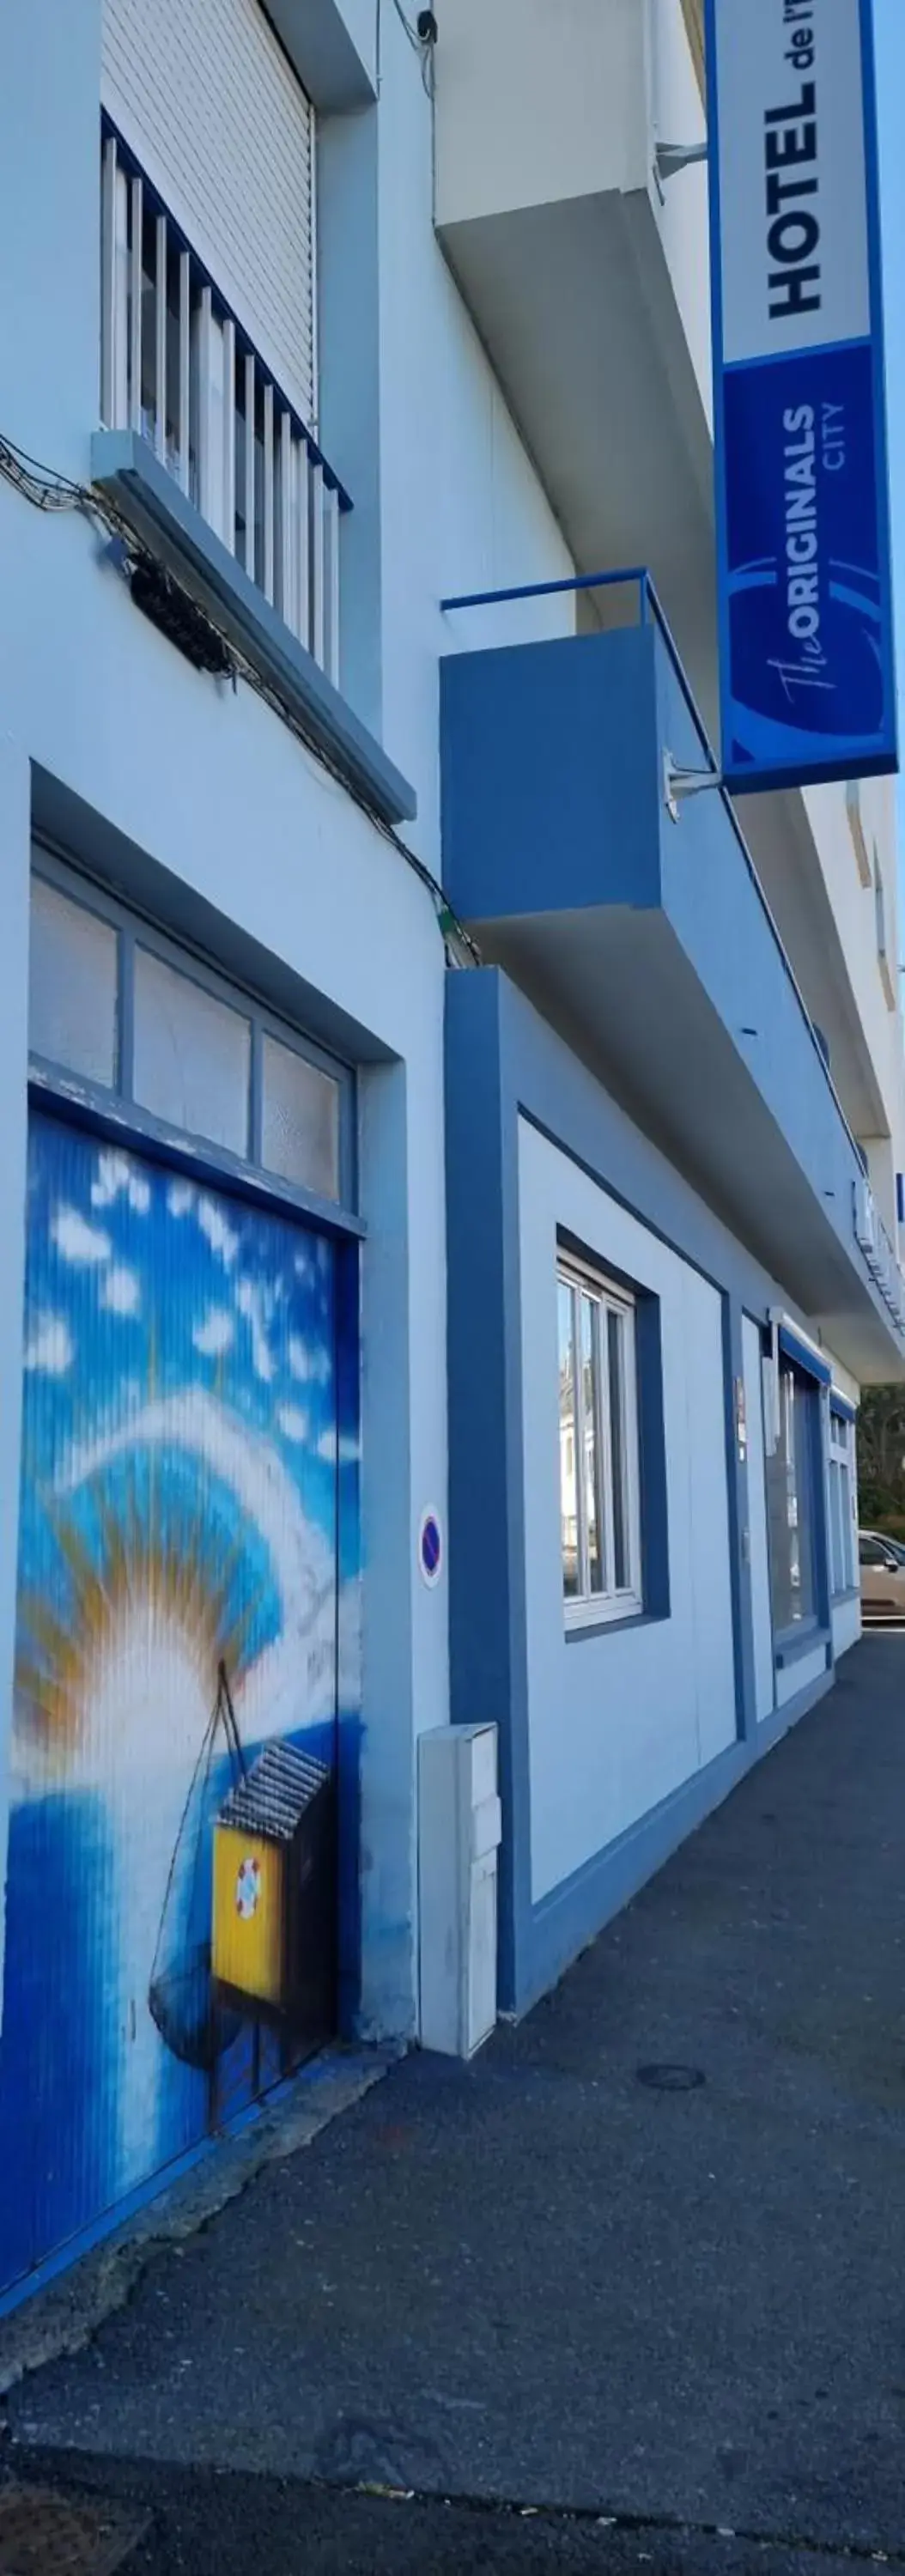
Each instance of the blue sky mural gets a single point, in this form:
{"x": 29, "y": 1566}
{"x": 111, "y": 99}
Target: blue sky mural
{"x": 183, "y": 1454}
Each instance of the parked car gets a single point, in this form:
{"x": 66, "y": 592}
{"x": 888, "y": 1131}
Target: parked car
{"x": 882, "y": 1562}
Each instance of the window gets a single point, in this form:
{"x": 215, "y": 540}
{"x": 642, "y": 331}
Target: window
{"x": 790, "y": 1502}
{"x": 872, "y": 1552}
{"x": 192, "y": 1055}
{"x": 178, "y": 367}
{"x": 842, "y": 1505}
{"x": 115, "y": 1006}
{"x": 598, "y": 1442}
{"x": 72, "y": 985}
{"x": 206, "y": 95}
{"x": 300, "y": 1120}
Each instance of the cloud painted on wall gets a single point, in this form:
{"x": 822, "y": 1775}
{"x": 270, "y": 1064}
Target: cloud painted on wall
{"x": 120, "y": 1292}
{"x": 218, "y": 1233}
{"x": 215, "y": 1335}
{"x": 312, "y": 1366}
{"x": 49, "y": 1346}
{"x": 116, "y": 1177}
{"x": 76, "y": 1240}
{"x": 294, "y": 1424}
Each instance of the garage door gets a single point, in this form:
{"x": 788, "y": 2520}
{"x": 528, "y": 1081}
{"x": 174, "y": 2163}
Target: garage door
{"x": 171, "y": 1906}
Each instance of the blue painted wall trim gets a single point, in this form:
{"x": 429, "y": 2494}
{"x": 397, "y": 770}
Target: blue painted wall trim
{"x": 503, "y": 1062}
{"x": 123, "y": 464}
{"x": 804, "y": 1358}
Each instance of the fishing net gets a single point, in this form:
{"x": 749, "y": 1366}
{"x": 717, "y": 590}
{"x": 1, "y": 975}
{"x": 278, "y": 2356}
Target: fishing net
{"x": 193, "y": 2024}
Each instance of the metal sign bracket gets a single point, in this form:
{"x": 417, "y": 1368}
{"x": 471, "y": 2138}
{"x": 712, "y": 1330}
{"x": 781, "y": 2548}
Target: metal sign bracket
{"x": 670, "y": 157}
{"x": 679, "y": 783}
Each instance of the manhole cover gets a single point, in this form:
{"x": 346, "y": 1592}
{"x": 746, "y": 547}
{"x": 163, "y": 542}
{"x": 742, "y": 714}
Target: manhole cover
{"x": 671, "y": 2079}
{"x": 42, "y": 2534}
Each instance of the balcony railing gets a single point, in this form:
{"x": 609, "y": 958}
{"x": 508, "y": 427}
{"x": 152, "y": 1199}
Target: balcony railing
{"x": 177, "y": 366}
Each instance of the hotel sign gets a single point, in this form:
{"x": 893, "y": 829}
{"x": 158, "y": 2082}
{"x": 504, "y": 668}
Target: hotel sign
{"x": 807, "y": 667}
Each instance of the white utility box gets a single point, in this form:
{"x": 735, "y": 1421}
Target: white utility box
{"x": 459, "y": 1829}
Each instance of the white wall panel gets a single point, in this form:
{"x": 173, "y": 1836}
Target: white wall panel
{"x": 846, "y": 1625}
{"x": 799, "y": 1675}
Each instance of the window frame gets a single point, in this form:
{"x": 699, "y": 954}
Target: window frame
{"x": 878, "y": 1558}
{"x": 841, "y": 1472}
{"x": 117, "y": 1108}
{"x": 586, "y": 1608}
{"x": 807, "y": 1506}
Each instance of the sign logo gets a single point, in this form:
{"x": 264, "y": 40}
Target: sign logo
{"x": 805, "y": 589}
{"x": 248, "y": 1889}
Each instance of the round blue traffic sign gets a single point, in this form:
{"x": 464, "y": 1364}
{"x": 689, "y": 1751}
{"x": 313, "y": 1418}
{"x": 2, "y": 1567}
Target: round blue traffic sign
{"x": 430, "y": 1548}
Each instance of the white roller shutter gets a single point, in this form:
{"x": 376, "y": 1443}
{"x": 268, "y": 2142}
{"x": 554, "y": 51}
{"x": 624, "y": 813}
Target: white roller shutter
{"x": 205, "y": 97}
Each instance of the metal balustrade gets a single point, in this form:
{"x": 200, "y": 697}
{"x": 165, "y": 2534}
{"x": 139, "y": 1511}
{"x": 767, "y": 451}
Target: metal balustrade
{"x": 177, "y": 367}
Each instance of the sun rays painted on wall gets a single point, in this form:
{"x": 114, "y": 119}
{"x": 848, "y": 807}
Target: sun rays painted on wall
{"x": 181, "y": 1459}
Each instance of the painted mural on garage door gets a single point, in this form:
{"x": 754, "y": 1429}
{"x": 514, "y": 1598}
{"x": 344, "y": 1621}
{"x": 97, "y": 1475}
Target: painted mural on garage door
{"x": 185, "y": 1550}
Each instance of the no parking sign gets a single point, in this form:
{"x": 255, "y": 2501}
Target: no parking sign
{"x": 430, "y": 1548}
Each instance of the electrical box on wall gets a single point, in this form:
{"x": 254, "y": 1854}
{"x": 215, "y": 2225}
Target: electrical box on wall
{"x": 459, "y": 1829}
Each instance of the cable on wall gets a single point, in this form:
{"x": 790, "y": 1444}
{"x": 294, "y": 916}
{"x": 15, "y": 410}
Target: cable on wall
{"x": 171, "y": 604}
{"x": 422, "y": 37}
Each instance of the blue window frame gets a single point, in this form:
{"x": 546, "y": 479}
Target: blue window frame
{"x": 133, "y": 1028}
{"x": 792, "y": 1504}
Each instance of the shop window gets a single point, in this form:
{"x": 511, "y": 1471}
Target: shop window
{"x": 598, "y": 1436}
{"x": 129, "y": 1017}
{"x": 72, "y": 1005}
{"x": 300, "y": 1120}
{"x": 791, "y": 1502}
{"x": 192, "y": 1055}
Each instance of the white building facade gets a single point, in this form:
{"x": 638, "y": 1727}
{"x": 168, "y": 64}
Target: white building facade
{"x": 405, "y": 1115}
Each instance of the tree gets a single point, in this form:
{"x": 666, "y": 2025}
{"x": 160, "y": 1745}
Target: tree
{"x": 881, "y": 1455}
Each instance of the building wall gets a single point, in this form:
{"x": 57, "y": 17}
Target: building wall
{"x": 196, "y": 801}
{"x": 513, "y": 192}
{"x": 613, "y": 1745}
{"x": 877, "y": 999}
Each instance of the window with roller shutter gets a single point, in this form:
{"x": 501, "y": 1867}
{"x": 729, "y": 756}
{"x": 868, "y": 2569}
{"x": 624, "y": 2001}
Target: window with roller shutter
{"x": 210, "y": 105}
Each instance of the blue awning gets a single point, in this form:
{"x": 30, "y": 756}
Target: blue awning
{"x": 804, "y": 1358}
{"x": 840, "y": 1404}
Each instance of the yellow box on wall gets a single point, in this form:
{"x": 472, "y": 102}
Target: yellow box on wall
{"x": 274, "y": 1890}
{"x": 249, "y": 1914}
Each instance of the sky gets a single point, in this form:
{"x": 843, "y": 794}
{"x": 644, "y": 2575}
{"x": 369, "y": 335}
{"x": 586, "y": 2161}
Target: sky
{"x": 889, "y": 18}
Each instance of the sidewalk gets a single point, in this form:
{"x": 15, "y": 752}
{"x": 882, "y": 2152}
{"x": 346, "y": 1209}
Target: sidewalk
{"x": 542, "y": 2280}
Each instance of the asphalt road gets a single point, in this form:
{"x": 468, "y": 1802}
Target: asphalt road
{"x": 204, "y": 2523}
{"x": 541, "y": 2290}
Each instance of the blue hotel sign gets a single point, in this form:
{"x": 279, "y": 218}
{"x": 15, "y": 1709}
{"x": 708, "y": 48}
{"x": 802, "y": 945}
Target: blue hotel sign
{"x": 805, "y": 599}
